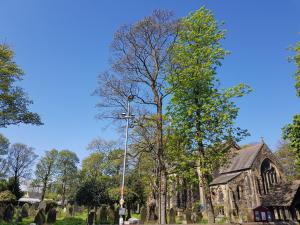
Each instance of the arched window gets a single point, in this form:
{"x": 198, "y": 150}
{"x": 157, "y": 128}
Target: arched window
{"x": 268, "y": 175}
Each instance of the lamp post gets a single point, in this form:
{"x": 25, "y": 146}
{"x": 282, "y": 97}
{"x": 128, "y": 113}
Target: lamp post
{"x": 128, "y": 116}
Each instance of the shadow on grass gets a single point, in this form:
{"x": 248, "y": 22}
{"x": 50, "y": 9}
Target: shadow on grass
{"x": 71, "y": 221}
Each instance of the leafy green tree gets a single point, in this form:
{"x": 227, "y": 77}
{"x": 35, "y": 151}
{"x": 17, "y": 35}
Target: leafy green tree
{"x": 20, "y": 161}
{"x": 286, "y": 157}
{"x": 4, "y": 145}
{"x": 199, "y": 111}
{"x": 93, "y": 166}
{"x": 93, "y": 193}
{"x": 67, "y": 171}
{"x": 291, "y": 132}
{"x": 46, "y": 170}
{"x": 13, "y": 100}
{"x": 296, "y": 59}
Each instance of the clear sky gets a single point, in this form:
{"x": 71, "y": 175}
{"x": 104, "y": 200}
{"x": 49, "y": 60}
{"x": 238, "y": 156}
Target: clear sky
{"x": 63, "y": 45}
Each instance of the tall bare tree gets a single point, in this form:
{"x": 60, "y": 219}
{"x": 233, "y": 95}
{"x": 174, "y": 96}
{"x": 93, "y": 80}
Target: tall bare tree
{"x": 138, "y": 67}
{"x": 20, "y": 161}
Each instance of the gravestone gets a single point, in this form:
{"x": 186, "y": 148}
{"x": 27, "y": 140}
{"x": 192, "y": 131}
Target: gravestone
{"x": 110, "y": 214}
{"x": 116, "y": 215}
{"x": 103, "y": 215}
{"x": 9, "y": 213}
{"x": 24, "y": 210}
{"x": 51, "y": 217}
{"x": 40, "y": 217}
{"x": 152, "y": 211}
{"x": 188, "y": 216}
{"x": 19, "y": 215}
{"x": 172, "y": 216}
{"x": 70, "y": 210}
{"x": 42, "y": 205}
{"x": 91, "y": 218}
{"x": 143, "y": 214}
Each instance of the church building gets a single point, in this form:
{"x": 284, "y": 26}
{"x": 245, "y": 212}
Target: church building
{"x": 253, "y": 187}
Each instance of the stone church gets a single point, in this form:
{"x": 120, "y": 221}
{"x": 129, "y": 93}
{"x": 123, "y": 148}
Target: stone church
{"x": 253, "y": 187}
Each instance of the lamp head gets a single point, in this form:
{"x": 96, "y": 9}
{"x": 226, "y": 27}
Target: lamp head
{"x": 130, "y": 98}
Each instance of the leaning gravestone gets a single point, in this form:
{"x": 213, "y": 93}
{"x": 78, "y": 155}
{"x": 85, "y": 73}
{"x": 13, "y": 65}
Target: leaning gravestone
{"x": 91, "y": 218}
{"x": 51, "y": 217}
{"x": 143, "y": 214}
{"x": 8, "y": 213}
{"x": 172, "y": 216}
{"x": 40, "y": 217}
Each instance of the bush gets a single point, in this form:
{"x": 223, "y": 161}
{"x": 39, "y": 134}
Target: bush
{"x": 7, "y": 196}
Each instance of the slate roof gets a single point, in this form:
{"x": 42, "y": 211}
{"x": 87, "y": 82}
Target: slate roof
{"x": 243, "y": 159}
{"x": 282, "y": 194}
{"x": 224, "y": 178}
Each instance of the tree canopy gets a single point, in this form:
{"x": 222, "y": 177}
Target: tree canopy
{"x": 14, "y": 101}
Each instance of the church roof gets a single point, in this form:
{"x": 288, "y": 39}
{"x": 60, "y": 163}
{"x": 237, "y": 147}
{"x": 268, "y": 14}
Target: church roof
{"x": 282, "y": 194}
{"x": 243, "y": 159}
{"x": 224, "y": 178}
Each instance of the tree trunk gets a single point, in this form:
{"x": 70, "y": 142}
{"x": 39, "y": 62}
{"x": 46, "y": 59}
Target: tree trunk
{"x": 44, "y": 191}
{"x": 161, "y": 163}
{"x": 207, "y": 197}
{"x": 63, "y": 196}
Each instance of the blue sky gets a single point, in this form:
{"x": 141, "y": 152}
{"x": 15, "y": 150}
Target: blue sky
{"x": 63, "y": 45}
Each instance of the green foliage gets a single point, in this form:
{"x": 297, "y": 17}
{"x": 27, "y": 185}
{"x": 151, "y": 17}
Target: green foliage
{"x": 200, "y": 112}
{"x": 4, "y": 145}
{"x": 291, "y": 133}
{"x": 93, "y": 193}
{"x": 296, "y": 59}
{"x": 14, "y": 101}
{"x": 46, "y": 169}
{"x": 7, "y": 196}
{"x": 14, "y": 186}
{"x": 93, "y": 165}
{"x": 67, "y": 172}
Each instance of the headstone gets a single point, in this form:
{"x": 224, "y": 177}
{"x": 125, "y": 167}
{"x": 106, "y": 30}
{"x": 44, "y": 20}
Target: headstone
{"x": 24, "y": 210}
{"x": 40, "y": 217}
{"x": 70, "y": 210}
{"x": 116, "y": 215}
{"x": 51, "y": 217}
{"x": 19, "y": 215}
{"x": 143, "y": 214}
{"x": 8, "y": 213}
{"x": 91, "y": 218}
{"x": 110, "y": 214}
{"x": 103, "y": 215}
{"x": 42, "y": 205}
{"x": 188, "y": 216}
{"x": 172, "y": 216}
{"x": 152, "y": 211}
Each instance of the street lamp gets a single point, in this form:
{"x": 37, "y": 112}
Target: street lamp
{"x": 128, "y": 116}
